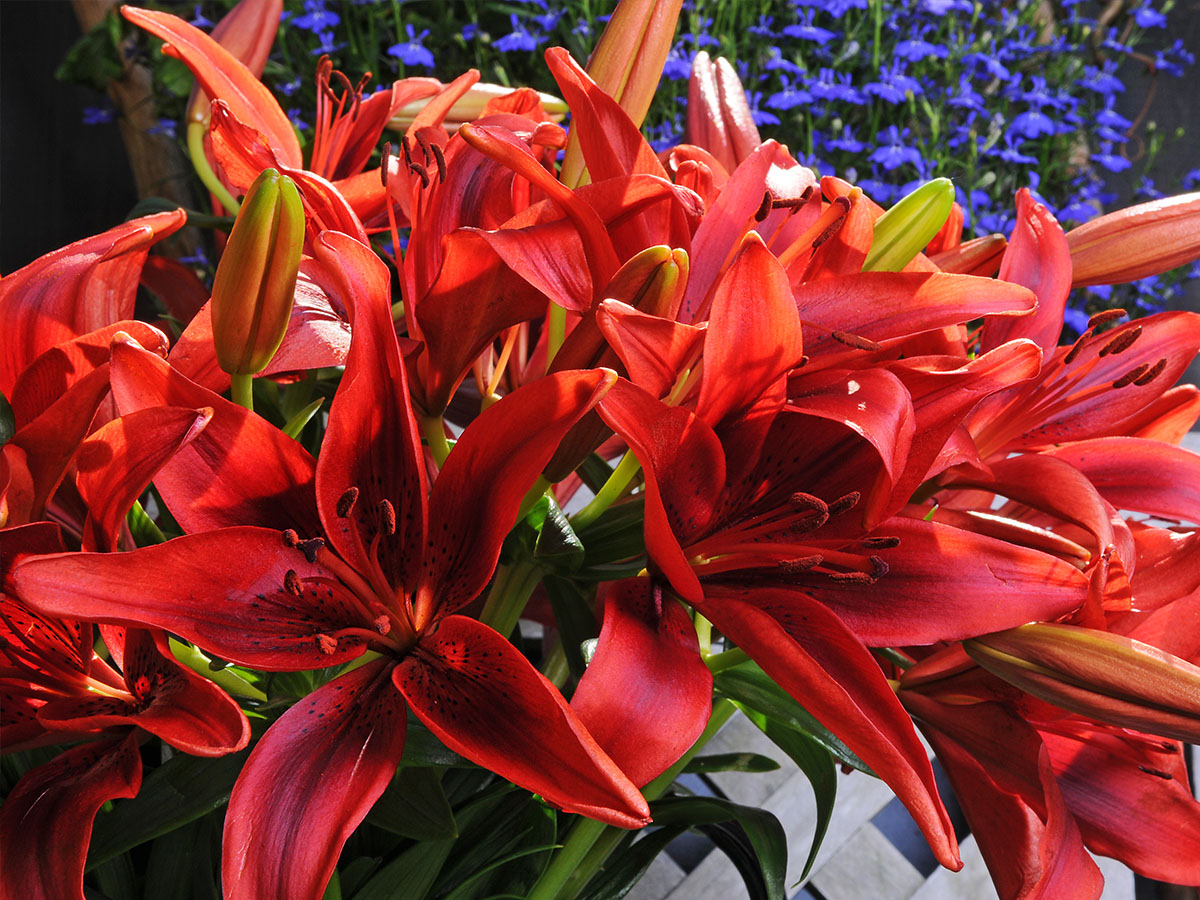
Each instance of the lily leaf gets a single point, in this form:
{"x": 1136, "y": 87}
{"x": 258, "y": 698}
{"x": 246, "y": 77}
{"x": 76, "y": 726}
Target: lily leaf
{"x": 181, "y": 790}
{"x": 410, "y": 875}
{"x": 731, "y": 762}
{"x": 557, "y": 541}
{"x": 629, "y": 863}
{"x": 575, "y": 618}
{"x": 297, "y": 422}
{"x": 749, "y": 686}
{"x": 752, "y": 838}
{"x": 415, "y": 806}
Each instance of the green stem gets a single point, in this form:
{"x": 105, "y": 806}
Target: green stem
{"x": 231, "y": 681}
{"x": 719, "y": 662}
{"x": 609, "y": 492}
{"x": 511, "y": 590}
{"x": 570, "y": 871}
{"x": 241, "y": 389}
{"x": 435, "y": 435}
{"x": 556, "y": 321}
{"x": 195, "y": 143}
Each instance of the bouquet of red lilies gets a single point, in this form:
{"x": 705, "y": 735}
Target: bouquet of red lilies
{"x": 734, "y": 435}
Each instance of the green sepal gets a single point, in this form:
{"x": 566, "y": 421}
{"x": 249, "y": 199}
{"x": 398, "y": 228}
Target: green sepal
{"x": 556, "y": 540}
{"x": 297, "y": 422}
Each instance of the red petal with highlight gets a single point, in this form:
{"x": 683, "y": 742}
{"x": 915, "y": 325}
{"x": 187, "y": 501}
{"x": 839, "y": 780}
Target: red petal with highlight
{"x": 308, "y": 784}
{"x": 483, "y": 699}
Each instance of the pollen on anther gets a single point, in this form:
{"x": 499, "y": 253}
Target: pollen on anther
{"x": 1104, "y": 317}
{"x": 1122, "y": 341}
{"x": 387, "y": 516}
{"x": 800, "y": 565}
{"x": 346, "y": 502}
{"x": 845, "y": 502}
{"x": 1157, "y": 773}
{"x": 327, "y": 643}
{"x": 1131, "y": 376}
{"x": 291, "y": 583}
{"x": 383, "y": 624}
{"x": 290, "y": 538}
{"x": 857, "y": 341}
{"x": 1155, "y": 371}
{"x": 310, "y": 547}
{"x": 440, "y": 158}
{"x": 882, "y": 543}
{"x": 763, "y": 208}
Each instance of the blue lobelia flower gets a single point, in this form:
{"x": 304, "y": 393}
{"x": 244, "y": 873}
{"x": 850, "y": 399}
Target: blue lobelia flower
{"x": 893, "y": 151}
{"x": 413, "y": 52}
{"x": 805, "y": 30}
{"x": 1148, "y": 17}
{"x": 788, "y": 97}
{"x": 1110, "y": 160}
{"x": 317, "y": 18}
{"x": 520, "y": 38}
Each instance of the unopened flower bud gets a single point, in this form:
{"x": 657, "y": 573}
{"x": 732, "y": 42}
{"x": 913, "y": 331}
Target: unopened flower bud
{"x": 256, "y": 278}
{"x": 653, "y": 281}
{"x": 1107, "y": 677}
{"x": 470, "y": 106}
{"x": 904, "y": 230}
{"x": 1134, "y": 243}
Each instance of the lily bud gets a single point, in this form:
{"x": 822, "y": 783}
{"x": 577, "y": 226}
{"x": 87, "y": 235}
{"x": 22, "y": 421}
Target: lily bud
{"x": 652, "y": 281}
{"x": 1107, "y": 677}
{"x": 1134, "y": 243}
{"x": 904, "y": 230}
{"x": 256, "y": 278}
{"x": 718, "y": 115}
{"x": 470, "y": 106}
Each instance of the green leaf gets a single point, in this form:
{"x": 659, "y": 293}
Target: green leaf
{"x": 815, "y": 761}
{"x": 8, "y": 422}
{"x": 628, "y": 864}
{"x": 731, "y": 762}
{"x": 173, "y": 76}
{"x": 171, "y": 867}
{"x": 414, "y": 806}
{"x": 421, "y": 748}
{"x": 757, "y": 846}
{"x": 751, "y": 687}
{"x": 297, "y": 422}
{"x": 557, "y": 541}
{"x": 573, "y": 613}
{"x": 94, "y": 59}
{"x": 410, "y": 875}
{"x": 180, "y": 791}
{"x": 116, "y": 878}
{"x": 143, "y": 528}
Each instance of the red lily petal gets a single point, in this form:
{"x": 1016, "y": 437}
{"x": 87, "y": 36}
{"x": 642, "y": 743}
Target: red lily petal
{"x": 118, "y": 460}
{"x": 51, "y": 440}
{"x": 612, "y": 144}
{"x": 325, "y": 209}
{"x": 167, "y": 699}
{"x": 548, "y": 256}
{"x": 475, "y": 297}
{"x": 1007, "y": 789}
{"x": 813, "y": 656}
{"x": 844, "y": 252}
{"x": 373, "y": 444}
{"x": 46, "y": 822}
{"x": 1137, "y": 474}
{"x": 685, "y": 472}
{"x": 1148, "y": 821}
{"x": 652, "y": 349}
{"x": 60, "y": 367}
{"x": 239, "y": 470}
{"x": 475, "y": 499}
{"x": 84, "y": 286}
{"x": 308, "y": 784}
{"x": 223, "y": 590}
{"x": 223, "y": 76}
{"x": 433, "y": 112}
{"x": 753, "y": 334}
{"x": 882, "y": 306}
{"x": 1038, "y": 258}
{"x": 646, "y": 696}
{"x": 483, "y": 699}
{"x": 1168, "y": 418}
{"x": 996, "y": 585}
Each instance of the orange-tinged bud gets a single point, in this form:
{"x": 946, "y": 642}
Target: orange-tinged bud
{"x": 652, "y": 281}
{"x": 1134, "y": 243}
{"x": 1107, "y": 677}
{"x": 718, "y": 115}
{"x": 470, "y": 106}
{"x": 256, "y": 278}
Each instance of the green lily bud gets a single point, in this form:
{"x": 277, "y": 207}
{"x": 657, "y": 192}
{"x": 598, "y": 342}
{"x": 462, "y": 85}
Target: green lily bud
{"x": 256, "y": 278}
{"x": 652, "y": 281}
{"x": 903, "y": 231}
{"x": 1107, "y": 677}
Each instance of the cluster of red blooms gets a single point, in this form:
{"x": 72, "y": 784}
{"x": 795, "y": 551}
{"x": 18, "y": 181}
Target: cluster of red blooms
{"x": 834, "y": 450}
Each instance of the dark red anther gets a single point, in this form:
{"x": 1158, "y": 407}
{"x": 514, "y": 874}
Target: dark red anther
{"x": 794, "y": 203}
{"x": 845, "y": 502}
{"x": 836, "y": 225}
{"x": 881, "y": 543}
{"x": 346, "y": 502}
{"x": 440, "y": 158}
{"x": 1105, "y": 316}
{"x": 808, "y": 501}
{"x": 857, "y": 341}
{"x": 1155, "y": 371}
{"x": 800, "y": 565}
{"x": 408, "y": 160}
{"x": 419, "y": 170}
{"x": 328, "y": 644}
{"x": 383, "y": 624}
{"x": 310, "y": 547}
{"x": 1131, "y": 376}
{"x": 423, "y": 143}
{"x": 290, "y": 538}
{"x": 291, "y": 583}
{"x": 1122, "y": 341}
{"x": 1157, "y": 773}
{"x": 387, "y": 516}
{"x": 383, "y": 168}
{"x": 763, "y": 208}
{"x": 879, "y": 568}
{"x": 1077, "y": 347}
{"x": 851, "y": 577}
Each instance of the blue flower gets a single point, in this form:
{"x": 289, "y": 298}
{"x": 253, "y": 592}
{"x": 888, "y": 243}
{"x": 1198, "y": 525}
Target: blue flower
{"x": 287, "y": 88}
{"x": 1102, "y": 81}
{"x": 1110, "y": 160}
{"x": 678, "y": 66}
{"x": 1148, "y": 17}
{"x": 836, "y": 88}
{"x": 470, "y": 31}
{"x": 164, "y": 126}
{"x": 199, "y": 19}
{"x": 1010, "y": 153}
{"x": 316, "y": 17}
{"x": 1032, "y": 123}
{"x": 412, "y": 52}
{"x": 764, "y": 29}
{"x": 846, "y": 142}
{"x": 943, "y": 7}
{"x": 294, "y": 115}
{"x": 805, "y": 30}
{"x": 775, "y": 62}
{"x": 789, "y": 97}
{"x": 517, "y": 39}
{"x": 758, "y": 115}
{"x": 893, "y": 152}
{"x": 916, "y": 49}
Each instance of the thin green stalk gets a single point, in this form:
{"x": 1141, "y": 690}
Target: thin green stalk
{"x": 609, "y": 492}
{"x": 511, "y": 590}
{"x": 556, "y": 321}
{"x": 195, "y": 142}
{"x": 434, "y": 432}
{"x": 241, "y": 389}
{"x": 719, "y": 662}
{"x": 231, "y": 681}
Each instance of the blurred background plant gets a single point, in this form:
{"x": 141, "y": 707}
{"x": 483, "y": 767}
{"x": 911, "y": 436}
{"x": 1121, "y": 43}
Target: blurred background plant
{"x": 993, "y": 94}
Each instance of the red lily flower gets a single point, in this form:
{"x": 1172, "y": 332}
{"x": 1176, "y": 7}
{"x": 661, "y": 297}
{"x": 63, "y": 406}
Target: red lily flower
{"x": 388, "y": 575}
